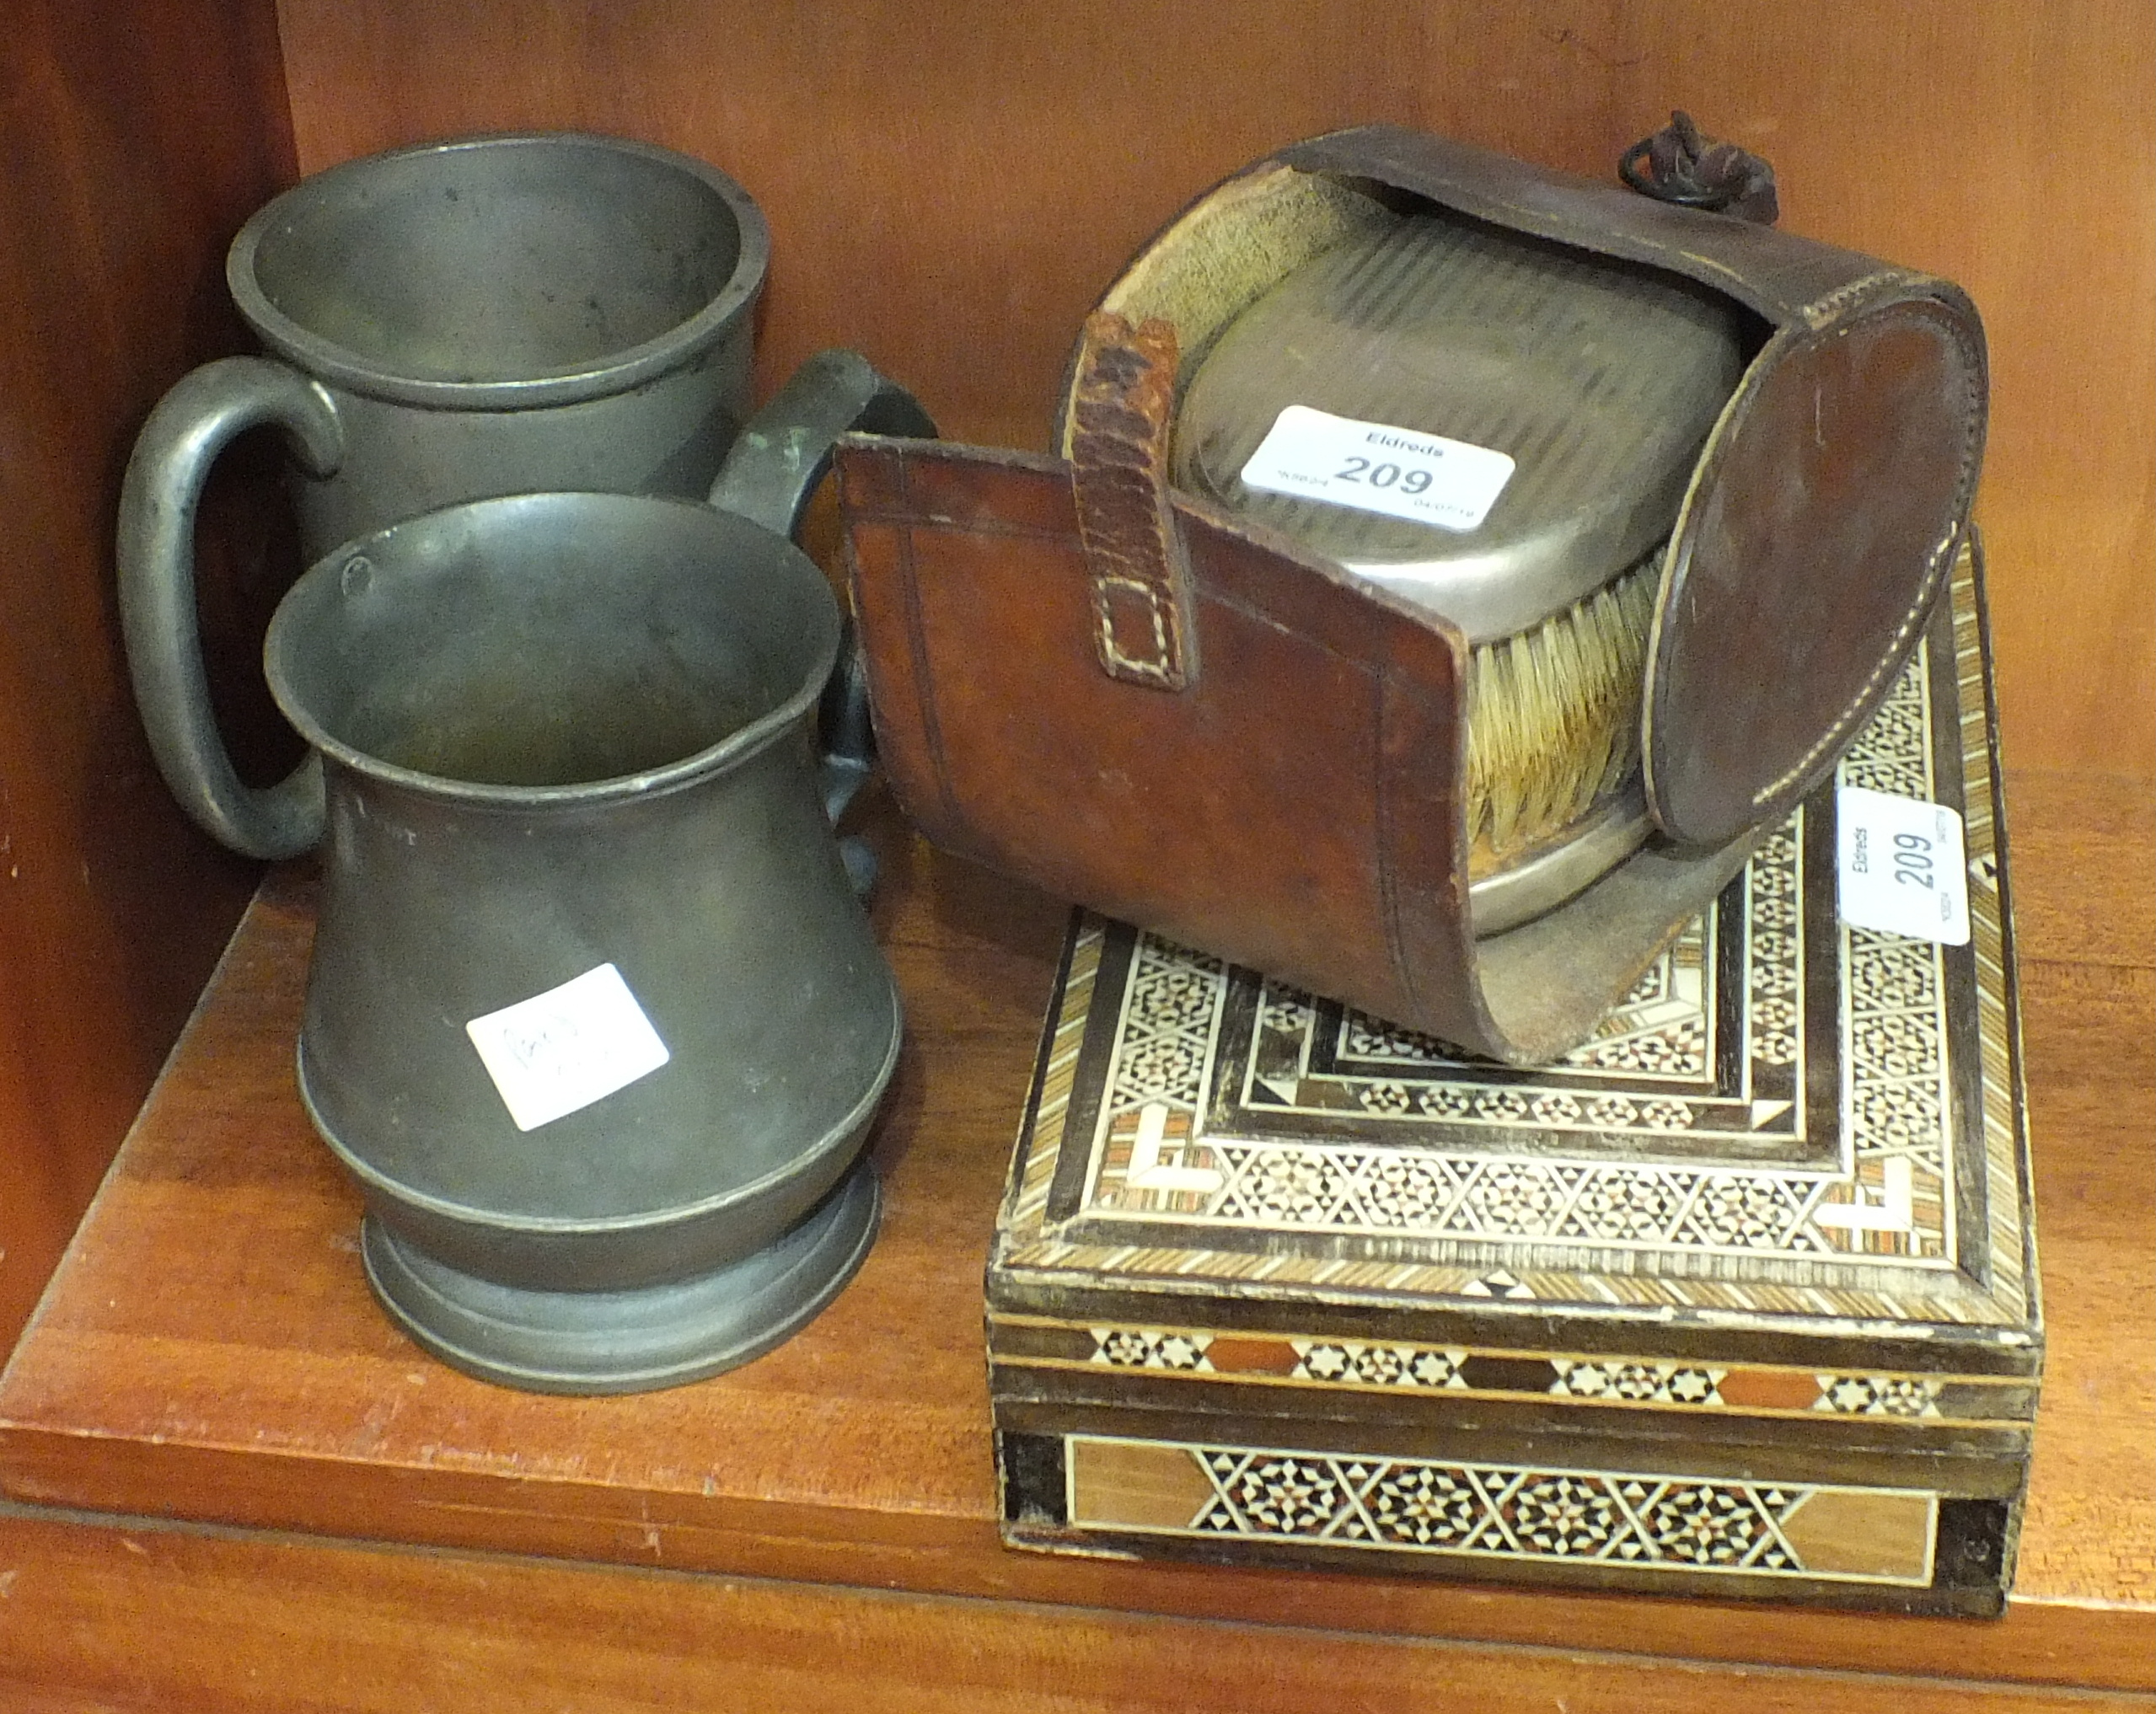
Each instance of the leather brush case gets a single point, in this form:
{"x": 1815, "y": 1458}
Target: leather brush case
{"x": 1087, "y": 679}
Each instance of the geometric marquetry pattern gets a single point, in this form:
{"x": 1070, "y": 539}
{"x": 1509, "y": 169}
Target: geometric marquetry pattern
{"x": 1662, "y": 1028}
{"x": 1650, "y": 1210}
{"x": 1139, "y": 1348}
{"x": 1888, "y": 1198}
{"x": 1656, "y": 1382}
{"x": 1502, "y": 1511}
{"x": 1359, "y": 1363}
{"x": 1877, "y": 1396}
{"x": 1390, "y": 1191}
{"x": 1898, "y": 1096}
{"x": 1774, "y": 984}
{"x": 1393, "y": 1190}
{"x": 1356, "y": 1364}
{"x": 1170, "y": 1021}
{"x": 1648, "y": 1071}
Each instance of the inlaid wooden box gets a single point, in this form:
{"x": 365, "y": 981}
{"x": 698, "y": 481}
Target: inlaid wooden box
{"x": 1738, "y": 1300}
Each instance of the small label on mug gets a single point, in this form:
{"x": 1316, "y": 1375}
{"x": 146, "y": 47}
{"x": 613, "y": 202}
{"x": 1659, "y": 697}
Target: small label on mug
{"x": 558, "y": 1052}
{"x": 1902, "y": 871}
{"x": 1374, "y": 467}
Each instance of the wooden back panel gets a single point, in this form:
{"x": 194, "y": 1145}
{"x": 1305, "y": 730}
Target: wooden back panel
{"x": 950, "y": 186}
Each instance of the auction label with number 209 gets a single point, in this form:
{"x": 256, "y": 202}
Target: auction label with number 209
{"x": 1373, "y": 466}
{"x": 1902, "y": 866}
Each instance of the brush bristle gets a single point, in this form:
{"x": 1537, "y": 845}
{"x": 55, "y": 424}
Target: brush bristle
{"x": 1553, "y": 718}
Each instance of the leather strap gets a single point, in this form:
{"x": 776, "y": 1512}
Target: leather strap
{"x": 1124, "y": 396}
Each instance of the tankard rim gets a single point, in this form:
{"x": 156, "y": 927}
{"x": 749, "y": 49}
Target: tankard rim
{"x": 727, "y": 533}
{"x": 631, "y": 366}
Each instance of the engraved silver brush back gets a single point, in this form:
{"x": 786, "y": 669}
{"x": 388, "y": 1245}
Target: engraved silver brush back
{"x": 1600, "y": 380}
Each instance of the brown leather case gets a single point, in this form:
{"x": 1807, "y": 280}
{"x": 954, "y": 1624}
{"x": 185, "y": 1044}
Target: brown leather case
{"x": 1091, "y": 682}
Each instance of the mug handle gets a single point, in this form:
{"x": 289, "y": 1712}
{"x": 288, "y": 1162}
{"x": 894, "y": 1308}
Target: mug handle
{"x": 191, "y": 425}
{"x": 769, "y": 477}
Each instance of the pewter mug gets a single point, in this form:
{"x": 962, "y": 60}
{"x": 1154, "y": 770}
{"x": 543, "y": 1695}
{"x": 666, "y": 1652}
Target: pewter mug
{"x": 563, "y": 733}
{"x": 496, "y": 315}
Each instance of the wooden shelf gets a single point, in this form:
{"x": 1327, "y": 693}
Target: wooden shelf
{"x": 208, "y": 1357}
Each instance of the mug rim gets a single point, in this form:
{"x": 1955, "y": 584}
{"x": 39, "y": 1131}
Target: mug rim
{"x": 630, "y": 367}
{"x": 721, "y": 756}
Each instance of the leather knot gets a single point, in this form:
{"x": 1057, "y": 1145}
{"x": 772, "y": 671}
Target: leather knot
{"x": 1678, "y": 164}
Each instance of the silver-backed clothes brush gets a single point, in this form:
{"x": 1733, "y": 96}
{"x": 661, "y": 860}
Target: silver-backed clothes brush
{"x": 1502, "y": 429}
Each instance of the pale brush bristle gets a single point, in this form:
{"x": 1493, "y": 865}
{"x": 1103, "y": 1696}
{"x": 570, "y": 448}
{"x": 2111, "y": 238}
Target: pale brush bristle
{"x": 1554, "y": 717}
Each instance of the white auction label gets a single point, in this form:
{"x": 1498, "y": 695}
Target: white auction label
{"x": 559, "y": 1051}
{"x": 1901, "y": 867}
{"x": 1374, "y": 467}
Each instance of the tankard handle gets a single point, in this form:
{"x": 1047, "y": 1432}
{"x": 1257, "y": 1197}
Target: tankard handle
{"x": 769, "y": 477}
{"x": 771, "y": 472}
{"x": 191, "y": 425}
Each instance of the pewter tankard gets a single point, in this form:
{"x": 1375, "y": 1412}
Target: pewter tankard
{"x": 496, "y": 315}
{"x": 595, "y": 1018}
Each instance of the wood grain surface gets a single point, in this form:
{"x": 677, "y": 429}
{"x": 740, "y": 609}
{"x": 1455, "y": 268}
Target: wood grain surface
{"x": 209, "y": 1351}
{"x": 143, "y": 1619}
{"x": 950, "y": 186}
{"x": 135, "y": 136}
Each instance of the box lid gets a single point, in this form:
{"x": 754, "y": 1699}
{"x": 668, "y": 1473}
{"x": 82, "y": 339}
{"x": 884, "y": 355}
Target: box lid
{"x": 1786, "y": 1178}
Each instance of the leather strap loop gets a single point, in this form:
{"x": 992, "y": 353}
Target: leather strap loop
{"x": 1122, "y": 403}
